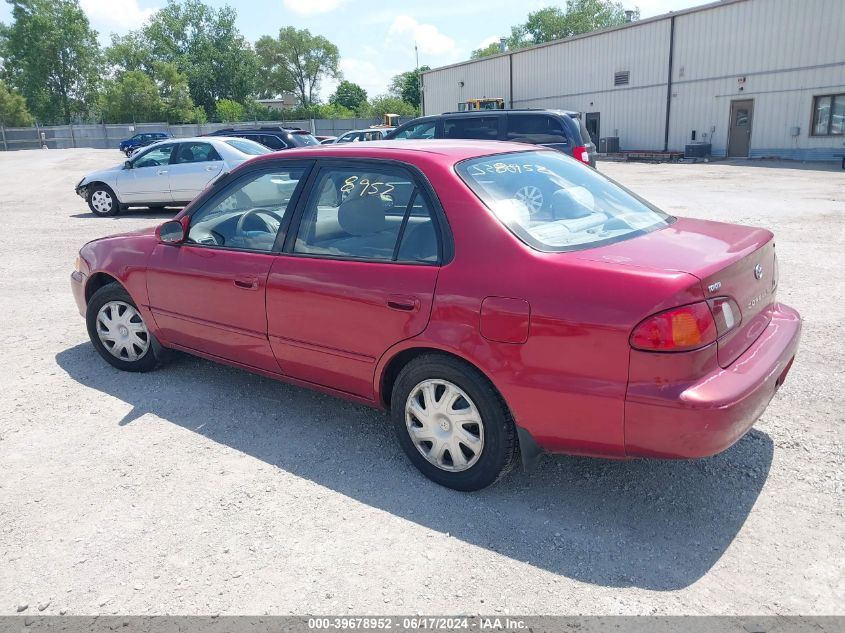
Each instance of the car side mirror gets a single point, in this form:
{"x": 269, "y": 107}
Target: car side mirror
{"x": 171, "y": 232}
{"x": 127, "y": 164}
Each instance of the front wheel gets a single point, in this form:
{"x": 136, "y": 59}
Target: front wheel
{"x": 118, "y": 332}
{"x": 102, "y": 201}
{"x": 452, "y": 423}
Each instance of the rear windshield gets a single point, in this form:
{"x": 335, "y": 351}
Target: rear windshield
{"x": 248, "y": 147}
{"x": 553, "y": 203}
{"x": 303, "y": 138}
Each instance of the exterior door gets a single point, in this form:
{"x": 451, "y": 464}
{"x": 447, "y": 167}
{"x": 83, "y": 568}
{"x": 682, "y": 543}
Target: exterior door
{"x": 193, "y": 166}
{"x": 357, "y": 276}
{"x": 208, "y": 293}
{"x": 148, "y": 180}
{"x": 592, "y": 123}
{"x": 739, "y": 136}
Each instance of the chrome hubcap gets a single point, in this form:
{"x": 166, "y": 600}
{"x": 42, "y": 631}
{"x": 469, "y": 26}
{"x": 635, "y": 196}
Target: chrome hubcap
{"x": 101, "y": 201}
{"x": 444, "y": 425}
{"x": 531, "y": 197}
{"x": 122, "y": 332}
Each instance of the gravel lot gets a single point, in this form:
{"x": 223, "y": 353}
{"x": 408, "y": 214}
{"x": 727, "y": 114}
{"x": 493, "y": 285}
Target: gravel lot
{"x": 203, "y": 489}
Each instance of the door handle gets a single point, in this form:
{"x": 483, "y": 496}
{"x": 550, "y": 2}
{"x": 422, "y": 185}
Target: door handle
{"x": 246, "y": 283}
{"x": 162, "y": 172}
{"x": 211, "y": 169}
{"x": 403, "y": 303}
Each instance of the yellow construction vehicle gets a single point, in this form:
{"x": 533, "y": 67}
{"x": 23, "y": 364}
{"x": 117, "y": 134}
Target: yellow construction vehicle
{"x": 485, "y": 103}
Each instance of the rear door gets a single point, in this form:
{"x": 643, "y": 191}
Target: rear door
{"x": 357, "y": 275}
{"x": 193, "y": 166}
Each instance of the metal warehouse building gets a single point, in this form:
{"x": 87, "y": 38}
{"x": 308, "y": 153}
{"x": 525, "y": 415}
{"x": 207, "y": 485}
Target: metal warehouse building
{"x": 754, "y": 78}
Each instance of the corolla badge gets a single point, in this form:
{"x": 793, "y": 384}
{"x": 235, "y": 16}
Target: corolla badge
{"x": 758, "y": 271}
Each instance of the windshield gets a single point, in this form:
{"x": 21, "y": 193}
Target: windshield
{"x": 553, "y": 203}
{"x": 248, "y": 147}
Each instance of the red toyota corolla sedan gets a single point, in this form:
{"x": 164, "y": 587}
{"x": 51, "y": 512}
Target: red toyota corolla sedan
{"x": 499, "y": 300}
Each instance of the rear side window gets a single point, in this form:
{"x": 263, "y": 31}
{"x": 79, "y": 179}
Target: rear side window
{"x": 553, "y": 203}
{"x": 425, "y": 129}
{"x": 303, "y": 138}
{"x": 247, "y": 146}
{"x": 535, "y": 128}
{"x": 476, "y": 127}
{"x": 374, "y": 213}
{"x": 273, "y": 142}
{"x": 196, "y": 153}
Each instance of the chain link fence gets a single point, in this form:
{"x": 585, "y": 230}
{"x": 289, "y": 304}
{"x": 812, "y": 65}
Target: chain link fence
{"x": 109, "y": 136}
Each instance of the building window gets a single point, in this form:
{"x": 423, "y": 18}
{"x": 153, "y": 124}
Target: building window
{"x": 621, "y": 78}
{"x": 829, "y": 115}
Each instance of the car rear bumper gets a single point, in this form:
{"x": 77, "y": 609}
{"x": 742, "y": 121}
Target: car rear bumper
{"x": 77, "y": 286}
{"x": 706, "y": 416}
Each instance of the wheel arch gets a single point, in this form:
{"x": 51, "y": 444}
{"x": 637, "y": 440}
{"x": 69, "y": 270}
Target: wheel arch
{"x": 97, "y": 281}
{"x": 395, "y": 360}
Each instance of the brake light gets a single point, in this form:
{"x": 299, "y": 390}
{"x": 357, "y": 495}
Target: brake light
{"x": 677, "y": 330}
{"x": 581, "y": 153}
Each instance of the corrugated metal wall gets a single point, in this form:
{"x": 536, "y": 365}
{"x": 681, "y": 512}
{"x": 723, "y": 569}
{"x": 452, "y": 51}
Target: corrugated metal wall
{"x": 786, "y": 50}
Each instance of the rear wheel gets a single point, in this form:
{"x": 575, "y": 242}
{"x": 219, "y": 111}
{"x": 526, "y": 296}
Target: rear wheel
{"x": 118, "y": 332}
{"x": 102, "y": 201}
{"x": 452, "y": 424}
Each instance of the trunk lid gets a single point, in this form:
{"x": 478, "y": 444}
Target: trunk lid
{"x": 729, "y": 260}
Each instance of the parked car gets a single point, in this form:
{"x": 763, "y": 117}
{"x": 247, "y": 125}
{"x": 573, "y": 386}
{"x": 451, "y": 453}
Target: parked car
{"x": 130, "y": 145}
{"x": 411, "y": 276}
{"x": 168, "y": 173}
{"x": 367, "y": 134}
{"x": 562, "y": 130}
{"x": 275, "y": 137}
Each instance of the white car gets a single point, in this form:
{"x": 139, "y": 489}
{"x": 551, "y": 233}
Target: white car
{"x": 167, "y": 173}
{"x": 368, "y": 134}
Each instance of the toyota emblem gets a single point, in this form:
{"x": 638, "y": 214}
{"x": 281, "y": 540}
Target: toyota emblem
{"x": 758, "y": 271}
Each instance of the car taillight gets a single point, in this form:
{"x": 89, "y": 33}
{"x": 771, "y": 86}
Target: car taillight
{"x": 688, "y": 327}
{"x": 726, "y": 314}
{"x": 676, "y": 330}
{"x": 581, "y": 154}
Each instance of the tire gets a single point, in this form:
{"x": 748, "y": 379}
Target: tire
{"x": 102, "y": 201}
{"x": 489, "y": 449}
{"x": 135, "y": 348}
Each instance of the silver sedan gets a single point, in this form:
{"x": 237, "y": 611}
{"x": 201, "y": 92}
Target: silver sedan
{"x": 168, "y": 173}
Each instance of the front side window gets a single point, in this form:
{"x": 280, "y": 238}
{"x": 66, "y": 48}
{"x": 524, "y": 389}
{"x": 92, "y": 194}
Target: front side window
{"x": 348, "y": 137}
{"x": 485, "y": 128}
{"x": 553, "y": 203}
{"x": 155, "y": 157}
{"x": 249, "y": 215}
{"x": 370, "y": 213}
{"x": 425, "y": 129}
{"x": 829, "y": 115}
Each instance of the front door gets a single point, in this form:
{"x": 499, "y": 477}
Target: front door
{"x": 357, "y": 277}
{"x": 739, "y": 137}
{"x": 148, "y": 180}
{"x": 208, "y": 294}
{"x": 194, "y": 165}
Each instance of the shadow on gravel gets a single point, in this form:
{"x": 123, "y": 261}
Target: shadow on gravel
{"x": 162, "y": 214}
{"x": 652, "y": 524}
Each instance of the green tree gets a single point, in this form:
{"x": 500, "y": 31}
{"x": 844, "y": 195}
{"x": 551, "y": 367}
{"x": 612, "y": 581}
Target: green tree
{"x": 299, "y": 59}
{"x": 554, "y": 23}
{"x": 133, "y": 96}
{"x": 176, "y": 103}
{"x": 50, "y": 54}
{"x": 203, "y": 45}
{"x": 349, "y": 95}
{"x": 387, "y": 104}
{"x": 406, "y": 86}
{"x": 230, "y": 111}
{"x": 13, "y": 112}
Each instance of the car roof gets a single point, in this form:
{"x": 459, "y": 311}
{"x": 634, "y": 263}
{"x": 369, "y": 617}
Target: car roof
{"x": 370, "y": 129}
{"x": 439, "y": 150}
